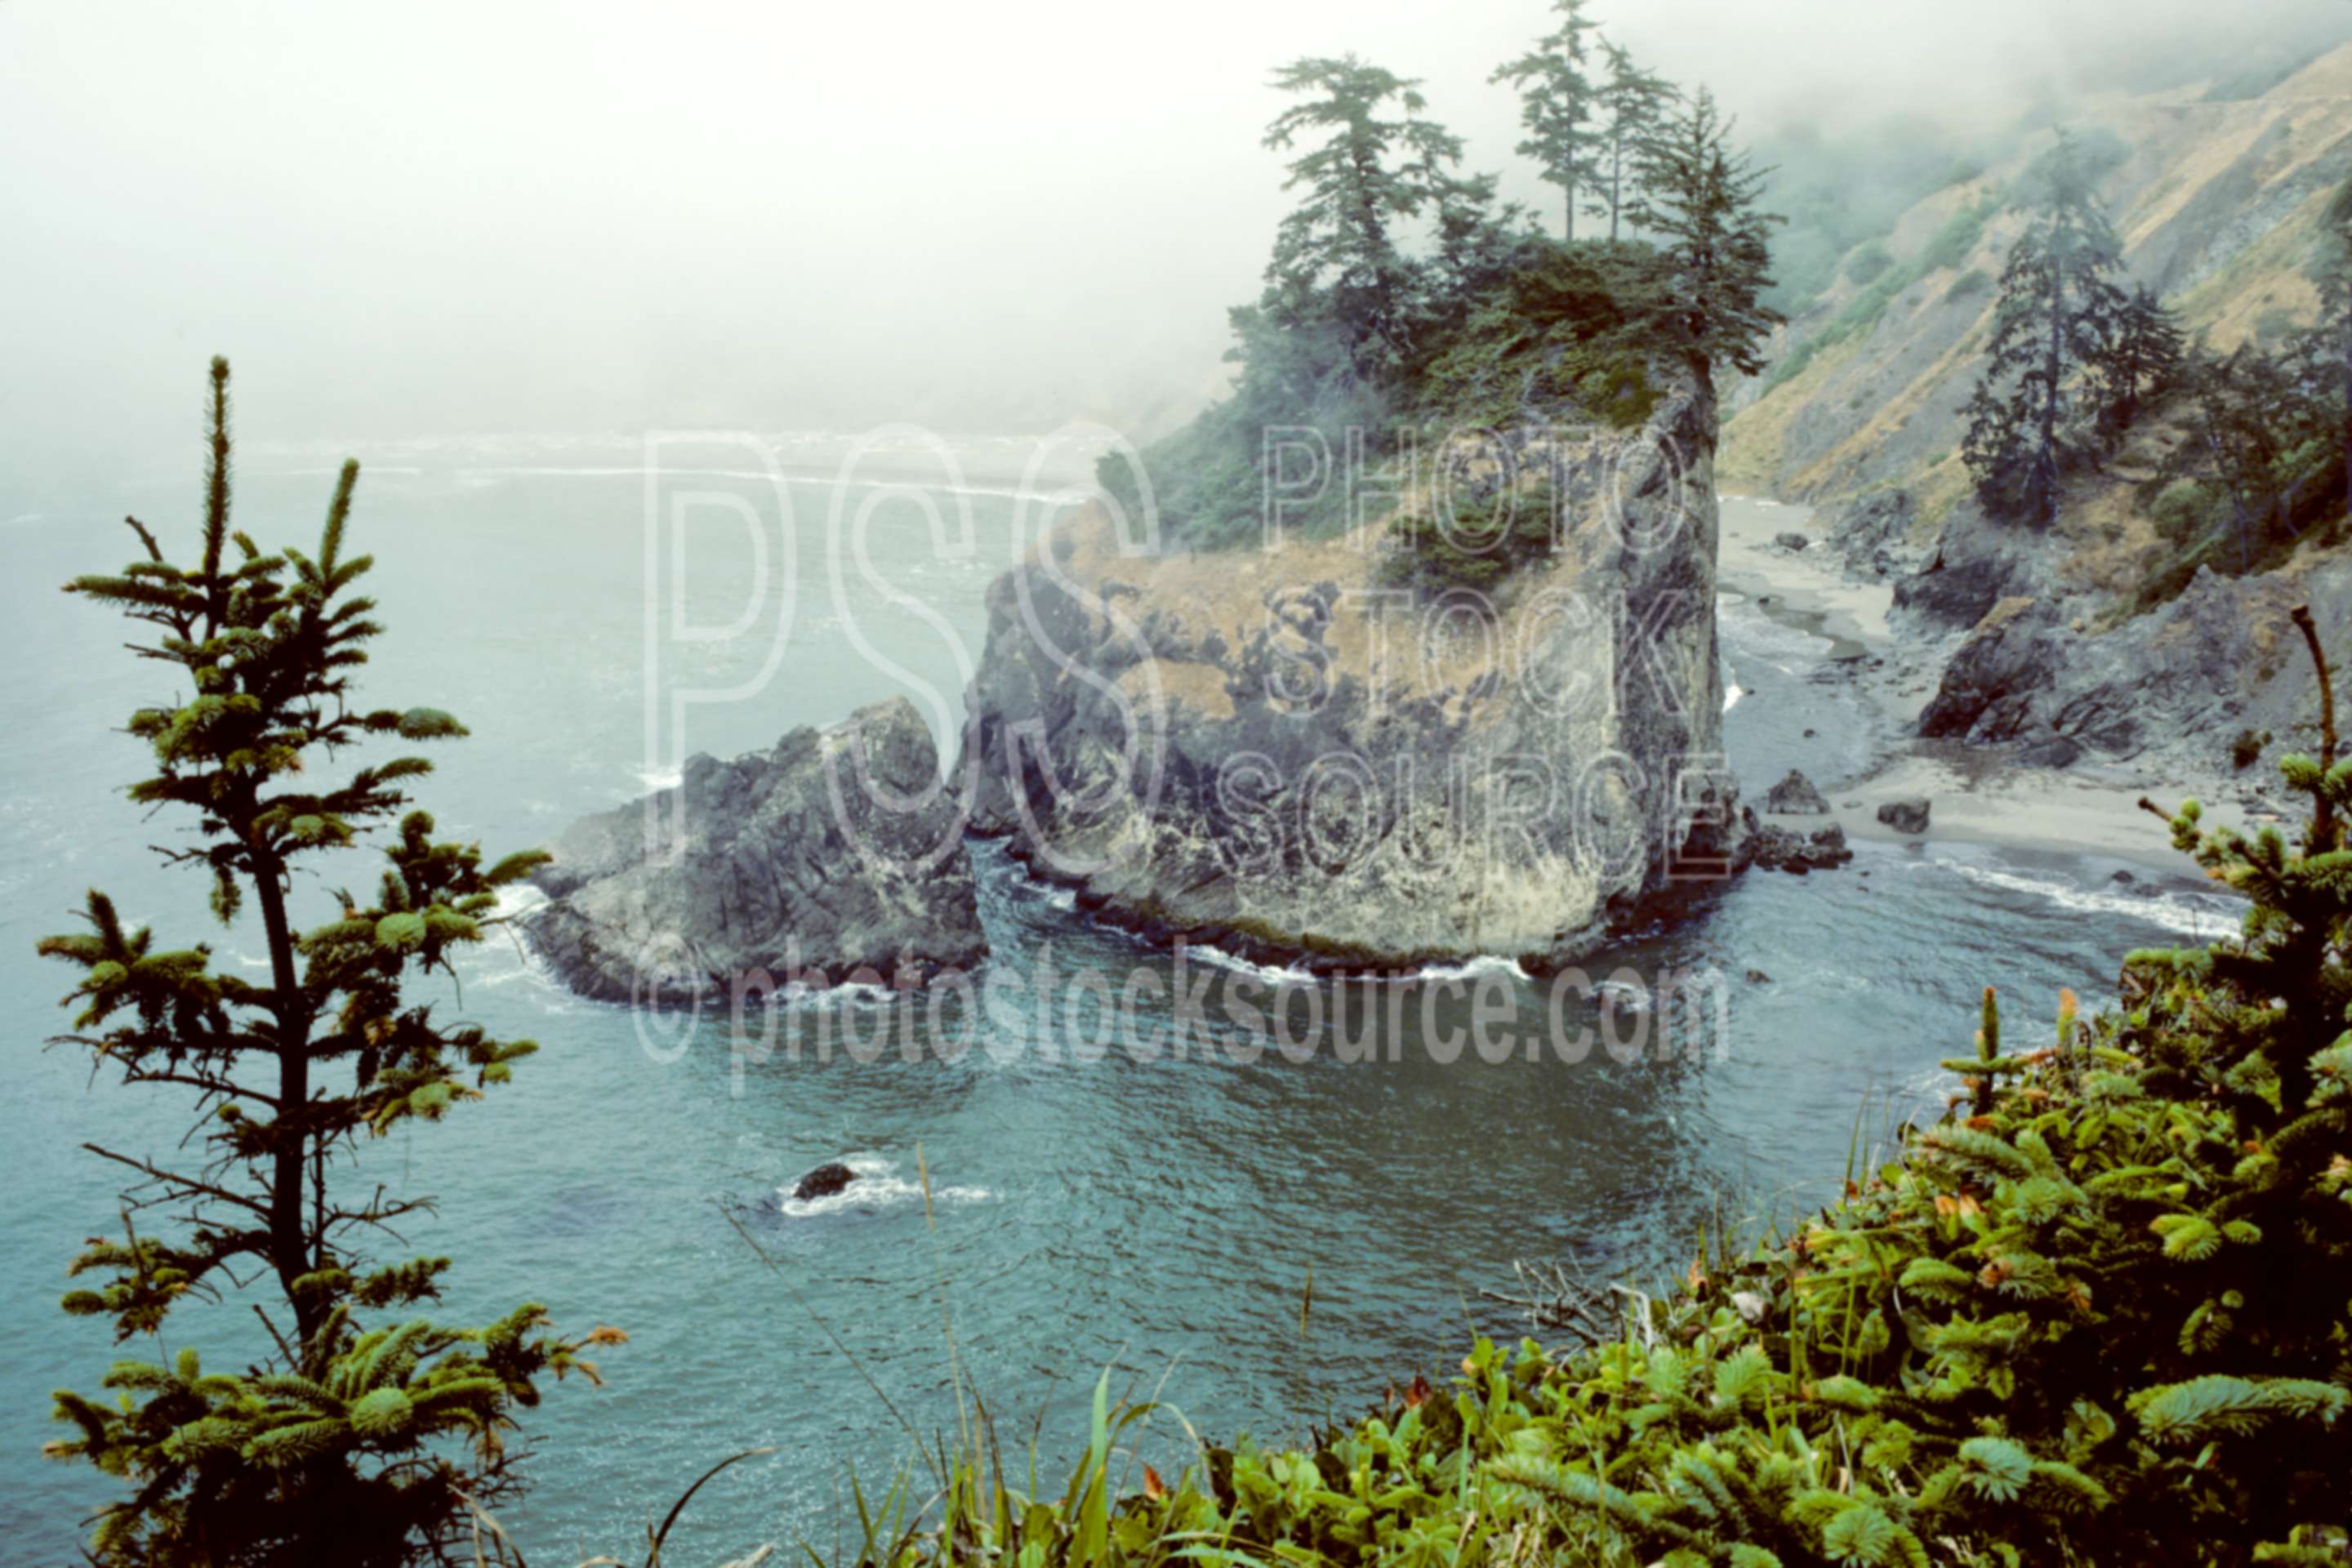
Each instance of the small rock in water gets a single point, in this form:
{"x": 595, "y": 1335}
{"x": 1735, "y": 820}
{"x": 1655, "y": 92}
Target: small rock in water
{"x": 1810, "y": 733}
{"x": 1757, "y": 977}
{"x": 1907, "y": 815}
{"x": 1795, "y": 796}
{"x": 824, "y": 1181}
{"x": 1791, "y": 540}
{"x": 2125, "y": 876}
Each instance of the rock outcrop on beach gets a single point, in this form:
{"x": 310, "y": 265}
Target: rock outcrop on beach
{"x": 2173, "y": 686}
{"x": 1785, "y": 849}
{"x": 1908, "y": 815}
{"x": 1795, "y": 796}
{"x": 1284, "y": 751}
{"x": 835, "y": 855}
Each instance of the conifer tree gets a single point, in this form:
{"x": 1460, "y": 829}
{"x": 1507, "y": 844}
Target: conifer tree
{"x": 2334, "y": 336}
{"x": 1699, "y": 197}
{"x": 1632, "y": 105}
{"x": 2140, "y": 362}
{"x": 359, "y": 1438}
{"x": 2256, "y": 426}
{"x": 2056, "y": 314}
{"x": 1557, "y": 98}
{"x": 1336, "y": 254}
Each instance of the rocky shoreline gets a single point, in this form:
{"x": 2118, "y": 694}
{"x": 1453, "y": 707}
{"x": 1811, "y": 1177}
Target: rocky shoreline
{"x": 836, "y": 857}
{"x": 1847, "y": 584}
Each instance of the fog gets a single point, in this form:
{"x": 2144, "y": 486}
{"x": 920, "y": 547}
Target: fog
{"x": 440, "y": 219}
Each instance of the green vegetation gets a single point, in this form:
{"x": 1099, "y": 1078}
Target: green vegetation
{"x": 1867, "y": 262}
{"x": 1948, "y": 247}
{"x": 2100, "y": 1312}
{"x": 1845, "y": 189}
{"x": 1556, "y": 99}
{"x": 370, "y": 1426}
{"x": 1478, "y": 542}
{"x": 1402, "y": 302}
{"x": 2054, "y": 332}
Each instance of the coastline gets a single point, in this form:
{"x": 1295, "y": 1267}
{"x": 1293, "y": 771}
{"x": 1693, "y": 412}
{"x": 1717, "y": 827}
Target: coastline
{"x": 1978, "y": 794}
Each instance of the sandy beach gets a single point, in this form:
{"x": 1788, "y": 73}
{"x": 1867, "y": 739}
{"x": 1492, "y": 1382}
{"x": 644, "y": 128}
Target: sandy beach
{"x": 1977, "y": 792}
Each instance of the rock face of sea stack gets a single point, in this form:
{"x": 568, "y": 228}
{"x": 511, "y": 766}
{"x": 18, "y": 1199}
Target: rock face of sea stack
{"x": 834, "y": 855}
{"x": 1280, "y": 749}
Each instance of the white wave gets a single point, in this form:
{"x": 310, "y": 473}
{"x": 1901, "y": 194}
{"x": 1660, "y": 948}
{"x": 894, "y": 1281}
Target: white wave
{"x": 1272, "y": 975}
{"x": 1627, "y": 994}
{"x": 519, "y": 899}
{"x": 879, "y": 1185}
{"x": 2206, "y": 918}
{"x": 1471, "y": 968}
{"x": 1732, "y": 692}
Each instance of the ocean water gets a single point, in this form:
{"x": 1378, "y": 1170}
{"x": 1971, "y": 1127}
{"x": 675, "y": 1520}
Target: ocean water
{"x": 1160, "y": 1204}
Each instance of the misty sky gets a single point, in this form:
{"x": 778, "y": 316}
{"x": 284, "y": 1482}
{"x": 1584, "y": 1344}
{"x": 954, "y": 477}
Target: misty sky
{"x": 432, "y": 218}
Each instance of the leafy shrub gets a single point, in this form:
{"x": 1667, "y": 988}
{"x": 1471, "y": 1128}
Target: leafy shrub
{"x": 2247, "y": 749}
{"x": 1476, "y": 541}
{"x": 2184, "y": 509}
{"x": 1868, "y": 261}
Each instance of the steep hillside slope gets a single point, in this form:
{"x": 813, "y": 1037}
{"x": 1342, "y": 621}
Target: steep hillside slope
{"x": 2215, "y": 202}
{"x": 2102, "y": 638}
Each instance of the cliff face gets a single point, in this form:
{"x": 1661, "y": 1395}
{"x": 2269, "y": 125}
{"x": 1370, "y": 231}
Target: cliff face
{"x": 834, "y": 853}
{"x": 1281, "y": 750}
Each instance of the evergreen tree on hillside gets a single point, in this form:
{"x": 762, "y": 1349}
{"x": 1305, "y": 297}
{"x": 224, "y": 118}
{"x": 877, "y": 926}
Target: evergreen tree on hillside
{"x": 2139, "y": 362}
{"x": 1699, "y": 198}
{"x": 2056, "y": 315}
{"x": 359, "y": 1439}
{"x": 1336, "y": 256}
{"x": 1557, "y": 101}
{"x": 2258, "y": 434}
{"x": 2334, "y": 335}
{"x": 1631, "y": 106}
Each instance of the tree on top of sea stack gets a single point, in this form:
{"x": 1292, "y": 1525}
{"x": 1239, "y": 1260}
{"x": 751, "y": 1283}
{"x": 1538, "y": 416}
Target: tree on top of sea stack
{"x": 1557, "y": 98}
{"x": 362, "y": 1438}
{"x": 1699, "y": 199}
{"x": 1335, "y": 254}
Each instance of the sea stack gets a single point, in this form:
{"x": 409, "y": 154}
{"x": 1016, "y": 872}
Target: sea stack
{"x": 1289, "y": 749}
{"x": 835, "y": 856}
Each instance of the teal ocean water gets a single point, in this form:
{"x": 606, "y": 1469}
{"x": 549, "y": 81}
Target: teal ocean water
{"x": 1156, "y": 1217}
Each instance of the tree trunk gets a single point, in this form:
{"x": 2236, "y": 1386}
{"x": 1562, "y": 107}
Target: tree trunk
{"x": 290, "y": 1239}
{"x": 1617, "y": 187}
{"x": 2053, "y": 366}
{"x": 2343, "y": 352}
